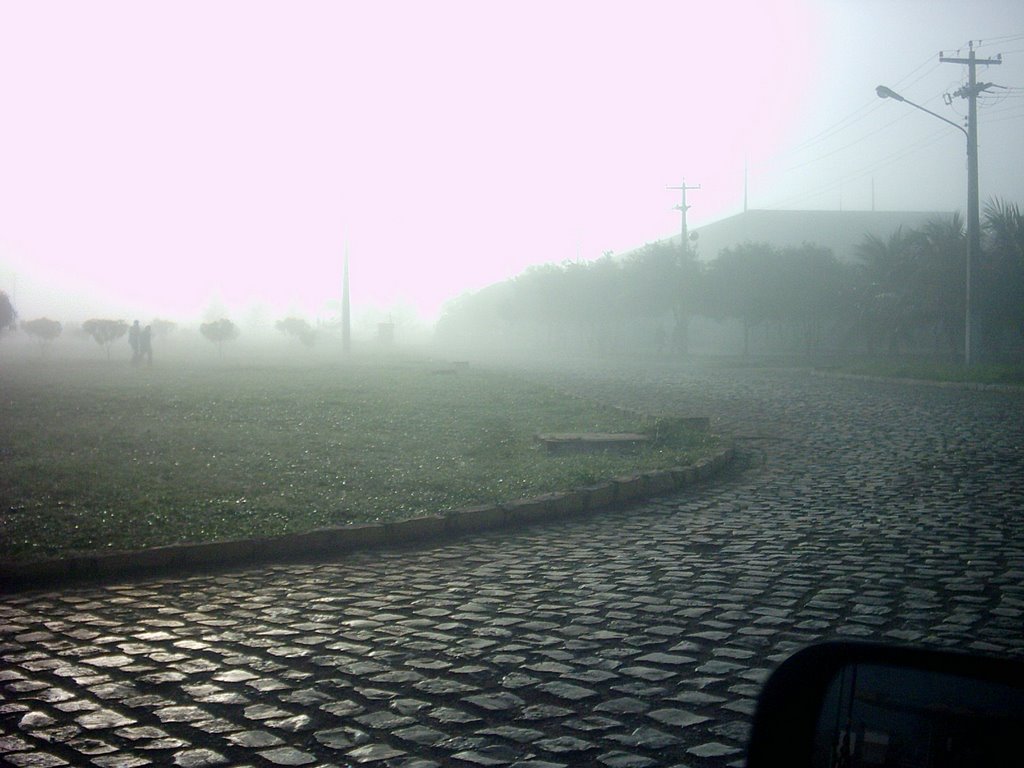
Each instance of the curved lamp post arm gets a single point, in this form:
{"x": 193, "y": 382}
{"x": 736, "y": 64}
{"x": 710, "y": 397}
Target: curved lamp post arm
{"x": 888, "y": 93}
{"x": 972, "y": 200}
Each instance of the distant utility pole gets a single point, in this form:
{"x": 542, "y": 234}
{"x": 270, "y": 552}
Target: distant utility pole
{"x": 346, "y": 320}
{"x": 683, "y": 208}
{"x": 744, "y": 183}
{"x": 970, "y": 92}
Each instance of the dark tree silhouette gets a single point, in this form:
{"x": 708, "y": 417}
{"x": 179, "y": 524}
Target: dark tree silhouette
{"x": 595, "y": 296}
{"x": 737, "y": 286}
{"x": 7, "y": 313}
{"x": 44, "y": 329}
{"x": 906, "y": 292}
{"x": 299, "y": 328}
{"x": 105, "y": 332}
{"x": 664, "y": 278}
{"x": 219, "y": 331}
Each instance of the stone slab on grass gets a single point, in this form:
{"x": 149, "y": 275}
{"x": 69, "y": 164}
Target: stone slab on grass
{"x": 592, "y": 442}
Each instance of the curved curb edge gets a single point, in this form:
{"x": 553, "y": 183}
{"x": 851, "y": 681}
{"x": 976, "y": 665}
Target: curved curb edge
{"x": 976, "y": 386}
{"x": 178, "y": 559}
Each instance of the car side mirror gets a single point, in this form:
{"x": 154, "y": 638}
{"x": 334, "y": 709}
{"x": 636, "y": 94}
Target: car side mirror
{"x": 864, "y": 704}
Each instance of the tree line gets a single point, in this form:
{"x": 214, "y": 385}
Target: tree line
{"x": 904, "y": 293}
{"x": 105, "y": 331}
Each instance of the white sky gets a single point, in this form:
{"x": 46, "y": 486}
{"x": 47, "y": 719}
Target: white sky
{"x": 160, "y": 157}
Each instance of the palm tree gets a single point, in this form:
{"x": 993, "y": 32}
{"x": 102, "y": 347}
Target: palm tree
{"x": 941, "y": 279}
{"x": 1001, "y": 278}
{"x": 808, "y": 294}
{"x": 886, "y": 304}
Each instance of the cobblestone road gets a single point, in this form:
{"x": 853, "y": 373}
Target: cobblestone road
{"x": 631, "y": 639}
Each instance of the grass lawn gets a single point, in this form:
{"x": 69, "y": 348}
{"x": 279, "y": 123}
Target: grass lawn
{"x": 102, "y": 456}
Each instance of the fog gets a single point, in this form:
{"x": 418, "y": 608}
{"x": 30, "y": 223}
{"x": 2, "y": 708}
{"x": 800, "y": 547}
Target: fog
{"x": 186, "y": 160}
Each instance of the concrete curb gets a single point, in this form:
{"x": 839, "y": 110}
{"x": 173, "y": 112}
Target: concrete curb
{"x": 976, "y": 386}
{"x": 180, "y": 559}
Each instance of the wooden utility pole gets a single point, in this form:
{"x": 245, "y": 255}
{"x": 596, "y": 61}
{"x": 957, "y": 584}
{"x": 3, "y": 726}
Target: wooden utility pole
{"x": 970, "y": 92}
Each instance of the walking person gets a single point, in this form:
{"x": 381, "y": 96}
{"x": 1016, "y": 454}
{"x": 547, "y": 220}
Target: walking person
{"x": 133, "y": 340}
{"x": 146, "y": 345}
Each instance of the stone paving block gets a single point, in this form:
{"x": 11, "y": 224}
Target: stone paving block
{"x": 287, "y": 756}
{"x": 35, "y": 759}
{"x": 420, "y": 734}
{"x": 713, "y": 749}
{"x": 341, "y": 738}
{"x": 566, "y": 745}
{"x": 646, "y": 738}
{"x": 374, "y": 753}
{"x": 677, "y": 718}
{"x": 567, "y": 691}
{"x": 488, "y": 755}
{"x": 199, "y": 758}
{"x": 121, "y": 760}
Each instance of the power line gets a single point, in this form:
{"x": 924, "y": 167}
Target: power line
{"x": 903, "y": 82}
{"x": 1006, "y": 118}
{"x": 893, "y": 157}
{"x": 865, "y": 110}
{"x": 887, "y": 160}
{"x": 861, "y": 112}
{"x": 1003, "y": 38}
{"x": 845, "y": 147}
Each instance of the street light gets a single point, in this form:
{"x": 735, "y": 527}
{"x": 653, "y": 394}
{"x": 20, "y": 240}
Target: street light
{"x": 972, "y": 203}
{"x": 889, "y": 93}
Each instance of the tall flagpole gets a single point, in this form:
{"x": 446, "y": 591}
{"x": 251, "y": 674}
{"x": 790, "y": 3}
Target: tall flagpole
{"x": 346, "y": 319}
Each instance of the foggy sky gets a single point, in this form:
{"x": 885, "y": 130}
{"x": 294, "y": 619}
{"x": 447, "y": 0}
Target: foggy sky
{"x": 175, "y": 158}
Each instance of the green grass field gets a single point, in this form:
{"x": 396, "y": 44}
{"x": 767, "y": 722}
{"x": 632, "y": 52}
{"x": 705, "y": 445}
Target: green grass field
{"x": 102, "y": 456}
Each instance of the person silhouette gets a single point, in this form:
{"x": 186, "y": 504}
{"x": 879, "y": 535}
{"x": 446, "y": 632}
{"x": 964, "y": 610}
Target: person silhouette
{"x": 133, "y": 339}
{"x": 146, "y": 345}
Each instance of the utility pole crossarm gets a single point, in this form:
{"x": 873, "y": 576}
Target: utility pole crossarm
{"x": 683, "y": 208}
{"x": 950, "y": 60}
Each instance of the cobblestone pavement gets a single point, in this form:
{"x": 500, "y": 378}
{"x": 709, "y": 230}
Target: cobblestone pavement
{"x": 633, "y": 638}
